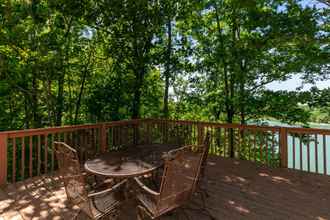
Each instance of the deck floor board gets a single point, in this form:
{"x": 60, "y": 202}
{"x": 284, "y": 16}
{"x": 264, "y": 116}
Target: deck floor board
{"x": 237, "y": 189}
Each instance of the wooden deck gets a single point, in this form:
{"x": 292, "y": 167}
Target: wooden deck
{"x": 237, "y": 189}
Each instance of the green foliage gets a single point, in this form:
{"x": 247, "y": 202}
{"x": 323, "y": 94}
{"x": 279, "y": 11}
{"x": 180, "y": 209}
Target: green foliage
{"x": 67, "y": 62}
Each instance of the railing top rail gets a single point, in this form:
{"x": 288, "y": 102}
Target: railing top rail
{"x": 41, "y": 131}
{"x": 220, "y": 125}
{"x": 309, "y": 131}
{"x": 252, "y": 127}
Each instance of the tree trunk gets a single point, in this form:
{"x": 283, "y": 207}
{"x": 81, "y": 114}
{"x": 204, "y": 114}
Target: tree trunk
{"x": 168, "y": 68}
{"x": 26, "y": 112}
{"x": 36, "y": 121}
{"x": 60, "y": 81}
{"x": 82, "y": 86}
{"x": 49, "y": 102}
{"x": 242, "y": 93}
{"x": 137, "y": 93}
{"x": 229, "y": 88}
{"x": 34, "y": 103}
{"x": 232, "y": 81}
{"x": 60, "y": 101}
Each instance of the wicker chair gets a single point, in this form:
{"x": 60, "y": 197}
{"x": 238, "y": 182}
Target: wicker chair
{"x": 205, "y": 152}
{"x": 202, "y": 181}
{"x": 96, "y": 205}
{"x": 181, "y": 174}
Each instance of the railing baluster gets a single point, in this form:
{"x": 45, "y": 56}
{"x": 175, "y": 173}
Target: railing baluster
{"x": 165, "y": 138}
{"x": 284, "y": 147}
{"x": 14, "y": 160}
{"x": 93, "y": 140}
{"x": 52, "y": 137}
{"x": 213, "y": 135}
{"x": 103, "y": 138}
{"x": 266, "y": 147}
{"x": 255, "y": 146}
{"x": 120, "y": 131}
{"x": 23, "y": 158}
{"x": 261, "y": 146}
{"x": 225, "y": 142}
{"x": 239, "y": 143}
{"x": 301, "y": 152}
{"x": 273, "y": 146}
{"x": 65, "y": 138}
{"x": 249, "y": 144}
{"x": 56, "y": 138}
{"x": 221, "y": 151}
{"x": 294, "y": 151}
{"x": 115, "y": 139}
{"x": 308, "y": 154}
{"x": 97, "y": 141}
{"x": 74, "y": 140}
{"x": 118, "y": 135}
{"x": 39, "y": 155}
{"x": 46, "y": 154}
{"x": 325, "y": 155}
{"x": 3, "y": 158}
{"x": 316, "y": 156}
{"x": 31, "y": 156}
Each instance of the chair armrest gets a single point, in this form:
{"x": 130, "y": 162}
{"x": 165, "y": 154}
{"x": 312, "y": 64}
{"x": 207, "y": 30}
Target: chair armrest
{"x": 172, "y": 153}
{"x": 114, "y": 188}
{"x": 72, "y": 176}
{"x": 83, "y": 175}
{"x": 145, "y": 188}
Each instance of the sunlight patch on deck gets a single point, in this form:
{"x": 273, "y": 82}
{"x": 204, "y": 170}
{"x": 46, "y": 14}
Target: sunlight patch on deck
{"x": 238, "y": 207}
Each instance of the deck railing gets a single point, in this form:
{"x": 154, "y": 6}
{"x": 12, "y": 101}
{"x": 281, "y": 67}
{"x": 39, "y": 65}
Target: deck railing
{"x": 28, "y": 153}
{"x": 255, "y": 143}
{"x": 309, "y": 150}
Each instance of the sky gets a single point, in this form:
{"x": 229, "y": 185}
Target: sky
{"x": 313, "y": 2}
{"x": 295, "y": 82}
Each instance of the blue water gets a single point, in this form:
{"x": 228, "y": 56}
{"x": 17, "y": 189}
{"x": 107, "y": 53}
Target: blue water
{"x": 294, "y": 162}
{"x": 313, "y": 158}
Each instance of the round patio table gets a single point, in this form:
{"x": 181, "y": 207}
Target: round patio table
{"x": 133, "y": 162}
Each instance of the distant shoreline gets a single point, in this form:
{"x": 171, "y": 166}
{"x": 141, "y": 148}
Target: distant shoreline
{"x": 278, "y": 123}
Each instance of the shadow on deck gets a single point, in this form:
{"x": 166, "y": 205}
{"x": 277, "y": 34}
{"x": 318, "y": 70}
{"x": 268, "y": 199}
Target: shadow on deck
{"x": 237, "y": 189}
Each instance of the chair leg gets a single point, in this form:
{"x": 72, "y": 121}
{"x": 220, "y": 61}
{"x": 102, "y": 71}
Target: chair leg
{"x": 76, "y": 216}
{"x": 204, "y": 195}
{"x": 204, "y": 211}
{"x": 185, "y": 214}
{"x": 142, "y": 213}
{"x": 79, "y": 217}
{"x": 114, "y": 215}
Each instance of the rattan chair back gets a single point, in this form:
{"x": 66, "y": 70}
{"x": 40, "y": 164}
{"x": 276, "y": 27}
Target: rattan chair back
{"x": 205, "y": 151}
{"x": 69, "y": 168}
{"x": 180, "y": 177}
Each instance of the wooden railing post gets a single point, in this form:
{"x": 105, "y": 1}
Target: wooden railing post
{"x": 284, "y": 147}
{"x": 103, "y": 138}
{"x": 165, "y": 130}
{"x": 136, "y": 133}
{"x": 3, "y": 159}
{"x": 200, "y": 134}
{"x": 149, "y": 137}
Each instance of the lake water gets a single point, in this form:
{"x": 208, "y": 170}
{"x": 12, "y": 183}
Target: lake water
{"x": 316, "y": 154}
{"x": 317, "y": 145}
